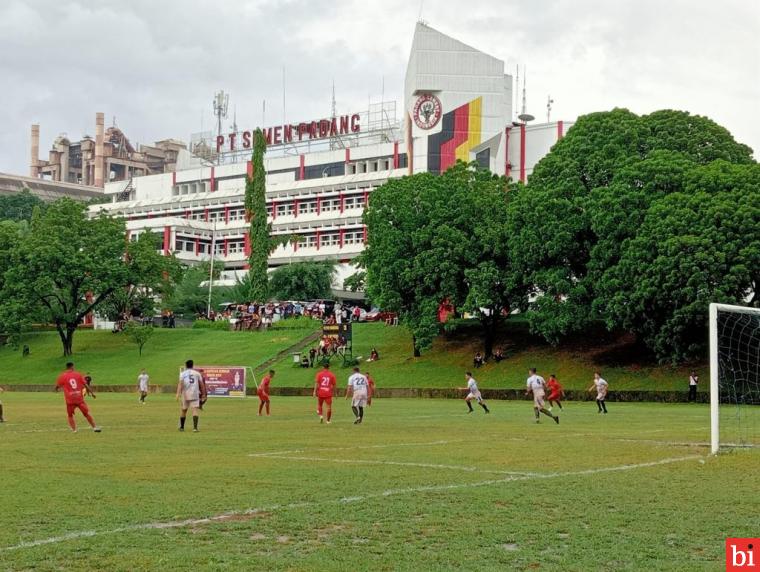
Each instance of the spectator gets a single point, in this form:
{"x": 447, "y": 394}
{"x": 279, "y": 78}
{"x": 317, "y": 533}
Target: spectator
{"x": 693, "y": 382}
{"x": 498, "y": 355}
{"x": 478, "y": 360}
{"x": 373, "y": 355}
{"x": 357, "y": 313}
{"x": 312, "y": 356}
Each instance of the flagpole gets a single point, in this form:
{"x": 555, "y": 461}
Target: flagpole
{"x": 211, "y": 271}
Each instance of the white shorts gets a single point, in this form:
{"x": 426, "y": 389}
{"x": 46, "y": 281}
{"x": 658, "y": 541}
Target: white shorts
{"x": 193, "y": 404}
{"x": 538, "y": 400}
{"x": 474, "y": 395}
{"x": 600, "y": 395}
{"x": 359, "y": 399}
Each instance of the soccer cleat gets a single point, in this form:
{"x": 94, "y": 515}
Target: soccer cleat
{"x": 322, "y": 419}
{"x": 74, "y": 431}
{"x": 329, "y": 422}
{"x": 196, "y": 430}
{"x": 357, "y": 421}
{"x": 97, "y": 429}
{"x": 556, "y": 419}
{"x": 470, "y": 411}
{"x": 181, "y": 428}
{"x": 538, "y": 421}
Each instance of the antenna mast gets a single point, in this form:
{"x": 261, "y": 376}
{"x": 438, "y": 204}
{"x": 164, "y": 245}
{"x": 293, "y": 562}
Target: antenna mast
{"x": 549, "y": 102}
{"x": 524, "y": 115}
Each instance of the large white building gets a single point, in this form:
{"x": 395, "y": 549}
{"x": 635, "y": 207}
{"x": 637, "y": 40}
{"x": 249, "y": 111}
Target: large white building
{"x": 458, "y": 104}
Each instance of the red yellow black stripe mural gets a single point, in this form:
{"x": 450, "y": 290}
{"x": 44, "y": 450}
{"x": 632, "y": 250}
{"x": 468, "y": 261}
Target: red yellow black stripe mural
{"x": 460, "y": 133}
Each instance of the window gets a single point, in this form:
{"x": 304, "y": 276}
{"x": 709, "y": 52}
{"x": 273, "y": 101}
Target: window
{"x": 330, "y": 205}
{"x": 285, "y": 209}
{"x": 331, "y": 239}
{"x": 353, "y": 237}
{"x": 311, "y": 241}
{"x": 307, "y": 207}
{"x": 237, "y": 214}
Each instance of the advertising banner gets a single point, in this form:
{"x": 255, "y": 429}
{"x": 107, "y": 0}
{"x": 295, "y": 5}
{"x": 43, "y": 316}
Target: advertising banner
{"x": 223, "y": 380}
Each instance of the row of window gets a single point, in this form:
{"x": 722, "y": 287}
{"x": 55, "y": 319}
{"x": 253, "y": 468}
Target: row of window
{"x": 305, "y": 206}
{"x": 237, "y": 246}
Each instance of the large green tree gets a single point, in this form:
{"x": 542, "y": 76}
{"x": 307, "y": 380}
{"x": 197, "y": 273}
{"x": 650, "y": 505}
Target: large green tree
{"x": 260, "y": 229}
{"x": 693, "y": 247}
{"x": 398, "y": 241}
{"x": 70, "y": 264}
{"x": 433, "y": 238}
{"x": 302, "y": 280}
{"x": 589, "y": 196}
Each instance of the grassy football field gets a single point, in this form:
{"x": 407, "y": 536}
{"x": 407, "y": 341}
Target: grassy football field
{"x": 421, "y": 485}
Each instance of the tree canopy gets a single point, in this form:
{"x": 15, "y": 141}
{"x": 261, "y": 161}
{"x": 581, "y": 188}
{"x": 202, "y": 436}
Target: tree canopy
{"x": 587, "y": 200}
{"x": 68, "y": 264}
{"x": 433, "y": 238}
{"x": 19, "y": 206}
{"x": 302, "y": 280}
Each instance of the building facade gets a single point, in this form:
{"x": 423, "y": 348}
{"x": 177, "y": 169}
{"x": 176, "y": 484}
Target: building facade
{"x": 321, "y": 173}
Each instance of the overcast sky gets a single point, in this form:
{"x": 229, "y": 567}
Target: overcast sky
{"x": 155, "y": 65}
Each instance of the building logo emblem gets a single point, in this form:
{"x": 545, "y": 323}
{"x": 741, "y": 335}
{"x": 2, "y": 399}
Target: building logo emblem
{"x": 427, "y": 111}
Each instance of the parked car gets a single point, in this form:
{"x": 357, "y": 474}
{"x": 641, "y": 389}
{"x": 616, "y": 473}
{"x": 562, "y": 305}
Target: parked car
{"x": 378, "y": 315}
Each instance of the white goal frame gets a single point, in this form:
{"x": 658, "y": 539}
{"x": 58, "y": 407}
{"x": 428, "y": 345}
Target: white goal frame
{"x": 715, "y": 369}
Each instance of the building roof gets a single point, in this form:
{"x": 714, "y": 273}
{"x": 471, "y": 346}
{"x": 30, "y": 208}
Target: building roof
{"x": 45, "y": 190}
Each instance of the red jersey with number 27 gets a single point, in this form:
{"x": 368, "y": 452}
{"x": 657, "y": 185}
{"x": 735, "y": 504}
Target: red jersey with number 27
{"x": 73, "y": 386}
{"x": 325, "y": 383}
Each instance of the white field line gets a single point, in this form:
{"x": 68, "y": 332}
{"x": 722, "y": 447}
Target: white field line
{"x": 400, "y": 464}
{"x": 688, "y": 443}
{"x": 344, "y": 500}
{"x": 357, "y": 447}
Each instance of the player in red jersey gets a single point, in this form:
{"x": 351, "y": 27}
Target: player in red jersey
{"x": 263, "y": 391}
{"x": 556, "y": 393}
{"x": 74, "y": 390}
{"x": 371, "y": 383}
{"x": 324, "y": 385}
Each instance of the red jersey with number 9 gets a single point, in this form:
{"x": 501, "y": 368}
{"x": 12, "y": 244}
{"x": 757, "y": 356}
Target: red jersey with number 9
{"x": 73, "y": 386}
{"x": 325, "y": 383}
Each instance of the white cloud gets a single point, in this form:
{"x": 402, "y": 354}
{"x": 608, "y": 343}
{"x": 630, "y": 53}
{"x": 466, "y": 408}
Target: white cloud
{"x": 156, "y": 65}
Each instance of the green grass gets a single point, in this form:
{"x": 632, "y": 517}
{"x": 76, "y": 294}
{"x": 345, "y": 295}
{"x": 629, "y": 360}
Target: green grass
{"x": 444, "y": 365}
{"x": 114, "y": 359}
{"x": 446, "y": 504}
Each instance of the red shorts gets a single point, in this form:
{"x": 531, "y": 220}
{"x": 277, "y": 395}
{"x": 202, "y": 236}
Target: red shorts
{"x": 263, "y": 396}
{"x": 71, "y": 407}
{"x": 321, "y": 400}
{"x": 555, "y": 397}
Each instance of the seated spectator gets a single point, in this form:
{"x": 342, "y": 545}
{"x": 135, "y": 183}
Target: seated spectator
{"x": 357, "y": 313}
{"x": 373, "y": 355}
{"x": 478, "y": 360}
{"x": 307, "y": 360}
{"x": 498, "y": 355}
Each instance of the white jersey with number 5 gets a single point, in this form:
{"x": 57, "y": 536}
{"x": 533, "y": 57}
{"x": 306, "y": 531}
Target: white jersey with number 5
{"x": 191, "y": 381}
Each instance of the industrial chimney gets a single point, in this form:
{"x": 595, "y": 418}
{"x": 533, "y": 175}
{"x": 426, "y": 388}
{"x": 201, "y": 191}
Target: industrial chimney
{"x": 99, "y": 151}
{"x": 34, "y": 169}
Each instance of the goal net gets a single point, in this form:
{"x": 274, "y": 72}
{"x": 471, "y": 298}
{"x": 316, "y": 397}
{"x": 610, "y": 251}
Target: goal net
{"x": 734, "y": 376}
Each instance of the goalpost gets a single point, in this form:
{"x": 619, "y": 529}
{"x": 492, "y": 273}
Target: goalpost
{"x": 734, "y": 371}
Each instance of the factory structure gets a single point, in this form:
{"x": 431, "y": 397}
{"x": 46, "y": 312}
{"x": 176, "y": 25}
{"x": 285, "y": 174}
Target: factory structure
{"x": 321, "y": 172}
{"x": 107, "y": 158}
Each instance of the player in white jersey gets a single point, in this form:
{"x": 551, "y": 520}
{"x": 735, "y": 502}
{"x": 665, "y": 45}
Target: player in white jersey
{"x": 359, "y": 389}
{"x": 537, "y": 386}
{"x": 191, "y": 389}
{"x": 601, "y": 386}
{"x": 142, "y": 385}
{"x": 473, "y": 393}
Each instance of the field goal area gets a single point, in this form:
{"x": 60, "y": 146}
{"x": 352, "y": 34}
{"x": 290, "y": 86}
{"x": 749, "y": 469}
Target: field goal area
{"x": 734, "y": 376}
